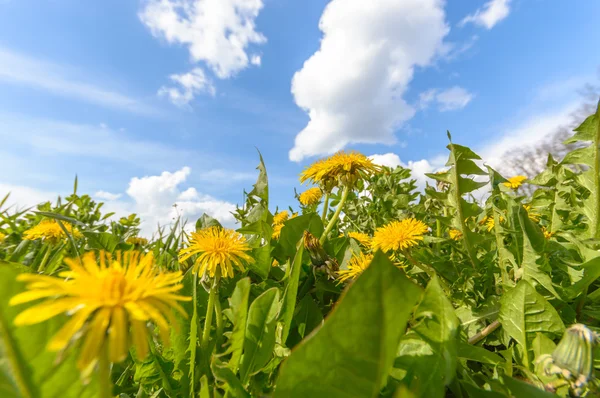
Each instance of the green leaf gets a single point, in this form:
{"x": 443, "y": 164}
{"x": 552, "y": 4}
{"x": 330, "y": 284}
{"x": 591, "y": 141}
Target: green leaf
{"x": 294, "y": 229}
{"x": 524, "y": 312}
{"x": 26, "y": 368}
{"x": 206, "y": 221}
{"x": 478, "y": 354}
{"x": 235, "y": 389}
{"x": 521, "y": 389}
{"x": 533, "y": 243}
{"x": 589, "y": 130}
{"x": 260, "y": 333}
{"x": 61, "y": 217}
{"x": 591, "y": 272}
{"x": 438, "y": 327}
{"x": 477, "y": 392}
{"x": 101, "y": 241}
{"x": 184, "y": 334}
{"x": 352, "y": 353}
{"x": 239, "y": 306}
{"x": 291, "y": 292}
{"x": 308, "y": 317}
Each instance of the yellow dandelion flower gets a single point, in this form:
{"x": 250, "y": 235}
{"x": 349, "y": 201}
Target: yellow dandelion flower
{"x": 342, "y": 167}
{"x": 217, "y": 247}
{"x": 361, "y": 238}
{"x": 110, "y": 301}
{"x": 514, "y": 182}
{"x": 275, "y": 263}
{"x": 311, "y": 196}
{"x": 2, "y": 237}
{"x": 356, "y": 266}
{"x": 50, "y": 230}
{"x": 277, "y": 231}
{"x": 399, "y": 235}
{"x": 281, "y": 217}
{"x": 455, "y": 234}
{"x": 547, "y": 234}
{"x": 533, "y": 216}
{"x": 135, "y": 240}
{"x": 490, "y": 223}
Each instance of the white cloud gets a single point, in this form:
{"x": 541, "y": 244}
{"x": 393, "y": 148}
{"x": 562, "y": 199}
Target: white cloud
{"x": 352, "y": 86}
{"x": 103, "y": 195}
{"x": 489, "y": 15}
{"x": 217, "y": 32}
{"x": 160, "y": 200}
{"x": 451, "y": 99}
{"x": 190, "y": 84}
{"x": 22, "y": 197}
{"x": 19, "y": 69}
{"x": 418, "y": 168}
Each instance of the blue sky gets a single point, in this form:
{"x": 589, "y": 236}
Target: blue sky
{"x": 150, "y": 104}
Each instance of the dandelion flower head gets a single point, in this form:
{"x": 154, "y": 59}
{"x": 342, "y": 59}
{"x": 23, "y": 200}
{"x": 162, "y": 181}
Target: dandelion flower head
{"x": 455, "y": 234}
{"x": 281, "y": 217}
{"x": 342, "y": 167}
{"x": 311, "y": 196}
{"x": 399, "y": 235}
{"x": 111, "y": 301}
{"x": 514, "y": 182}
{"x": 217, "y": 248}
{"x": 356, "y": 266}
{"x": 49, "y": 230}
{"x": 360, "y": 237}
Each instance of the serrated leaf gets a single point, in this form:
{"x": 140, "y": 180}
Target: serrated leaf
{"x": 239, "y": 305}
{"x": 288, "y": 306}
{"x": 524, "y": 312}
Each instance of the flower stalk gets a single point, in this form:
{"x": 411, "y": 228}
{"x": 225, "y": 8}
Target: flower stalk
{"x": 105, "y": 382}
{"x": 336, "y": 215}
{"x": 325, "y": 207}
{"x": 210, "y": 309}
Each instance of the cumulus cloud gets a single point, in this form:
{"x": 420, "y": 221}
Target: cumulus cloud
{"x": 451, "y": 99}
{"x": 217, "y": 32}
{"x": 352, "y": 86}
{"x": 188, "y": 85}
{"x": 103, "y": 195}
{"x": 418, "y": 168}
{"x": 160, "y": 200}
{"x": 489, "y": 15}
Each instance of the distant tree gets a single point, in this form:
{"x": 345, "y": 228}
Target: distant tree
{"x": 531, "y": 160}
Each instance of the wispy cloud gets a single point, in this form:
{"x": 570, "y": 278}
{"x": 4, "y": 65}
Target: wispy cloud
{"x": 61, "y": 80}
{"x": 489, "y": 15}
{"x": 450, "y": 99}
{"x": 187, "y": 86}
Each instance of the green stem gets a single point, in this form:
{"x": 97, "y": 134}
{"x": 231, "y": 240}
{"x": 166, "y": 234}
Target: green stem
{"x": 336, "y": 215}
{"x": 210, "y": 309}
{"x": 219, "y": 321}
{"x": 499, "y": 247}
{"x": 45, "y": 259}
{"x": 105, "y": 383}
{"x": 325, "y": 208}
{"x": 485, "y": 332}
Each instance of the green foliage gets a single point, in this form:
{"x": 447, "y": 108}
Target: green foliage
{"x": 471, "y": 310}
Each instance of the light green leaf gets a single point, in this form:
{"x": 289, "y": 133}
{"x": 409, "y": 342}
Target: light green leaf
{"x": 524, "y": 312}
{"x": 239, "y": 306}
{"x": 352, "y": 353}
{"x": 291, "y": 292}
{"x": 101, "y": 241}
{"x": 260, "y": 333}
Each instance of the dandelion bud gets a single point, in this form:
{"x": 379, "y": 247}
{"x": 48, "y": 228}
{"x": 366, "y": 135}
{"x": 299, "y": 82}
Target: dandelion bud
{"x": 574, "y": 354}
